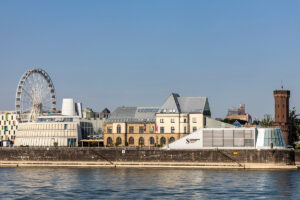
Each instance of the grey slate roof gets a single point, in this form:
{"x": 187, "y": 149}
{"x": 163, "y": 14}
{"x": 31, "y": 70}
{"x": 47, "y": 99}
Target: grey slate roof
{"x": 177, "y": 104}
{"x": 133, "y": 114}
{"x": 174, "y": 104}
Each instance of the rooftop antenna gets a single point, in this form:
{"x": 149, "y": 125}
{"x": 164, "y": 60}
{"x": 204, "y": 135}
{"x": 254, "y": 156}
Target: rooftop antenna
{"x": 281, "y": 85}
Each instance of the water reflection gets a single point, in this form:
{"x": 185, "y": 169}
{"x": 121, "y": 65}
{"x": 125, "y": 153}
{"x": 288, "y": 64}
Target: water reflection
{"x": 70, "y": 183}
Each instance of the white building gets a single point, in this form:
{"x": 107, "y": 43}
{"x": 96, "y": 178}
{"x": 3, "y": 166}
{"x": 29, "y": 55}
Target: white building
{"x": 231, "y": 138}
{"x": 49, "y": 131}
{"x": 52, "y": 130}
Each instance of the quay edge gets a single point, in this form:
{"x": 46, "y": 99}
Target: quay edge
{"x": 149, "y": 157}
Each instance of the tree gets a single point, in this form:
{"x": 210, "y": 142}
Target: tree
{"x": 229, "y": 121}
{"x": 267, "y": 121}
{"x": 295, "y": 124}
{"x": 256, "y": 121}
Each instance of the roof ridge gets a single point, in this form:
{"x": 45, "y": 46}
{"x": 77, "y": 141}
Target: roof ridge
{"x": 192, "y": 97}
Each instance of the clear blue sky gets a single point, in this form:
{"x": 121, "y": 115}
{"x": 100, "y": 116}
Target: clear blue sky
{"x": 114, "y": 53}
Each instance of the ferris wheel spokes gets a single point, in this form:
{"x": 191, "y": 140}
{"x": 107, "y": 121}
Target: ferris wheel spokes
{"x": 35, "y": 94}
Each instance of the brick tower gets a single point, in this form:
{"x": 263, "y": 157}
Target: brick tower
{"x": 282, "y": 107}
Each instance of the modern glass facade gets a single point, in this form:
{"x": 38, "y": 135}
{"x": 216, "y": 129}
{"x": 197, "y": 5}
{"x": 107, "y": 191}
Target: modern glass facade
{"x": 237, "y": 138}
{"x": 273, "y": 136}
{"x": 228, "y": 137}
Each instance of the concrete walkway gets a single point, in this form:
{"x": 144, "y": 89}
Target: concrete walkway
{"x": 103, "y": 164}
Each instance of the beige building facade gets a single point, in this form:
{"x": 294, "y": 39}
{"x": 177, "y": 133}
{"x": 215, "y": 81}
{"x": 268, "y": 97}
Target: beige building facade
{"x": 136, "y": 126}
{"x": 136, "y": 134}
{"x": 131, "y": 126}
{"x": 130, "y": 134}
{"x": 179, "y": 116}
{"x": 180, "y": 124}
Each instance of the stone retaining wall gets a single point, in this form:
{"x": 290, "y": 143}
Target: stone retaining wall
{"x": 111, "y": 155}
{"x": 297, "y": 157}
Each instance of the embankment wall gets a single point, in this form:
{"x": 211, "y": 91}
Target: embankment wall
{"x": 297, "y": 157}
{"x": 111, "y": 155}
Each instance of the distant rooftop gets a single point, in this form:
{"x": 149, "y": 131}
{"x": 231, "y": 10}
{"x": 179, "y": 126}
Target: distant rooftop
{"x": 133, "y": 114}
{"x": 8, "y": 111}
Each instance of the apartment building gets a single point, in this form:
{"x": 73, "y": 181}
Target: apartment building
{"x": 8, "y": 125}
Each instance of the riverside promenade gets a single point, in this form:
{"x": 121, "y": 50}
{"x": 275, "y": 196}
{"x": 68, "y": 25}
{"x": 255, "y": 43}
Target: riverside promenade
{"x": 146, "y": 157}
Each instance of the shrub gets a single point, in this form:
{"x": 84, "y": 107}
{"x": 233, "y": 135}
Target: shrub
{"x": 55, "y": 144}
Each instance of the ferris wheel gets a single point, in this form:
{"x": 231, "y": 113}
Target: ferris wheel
{"x": 35, "y": 95}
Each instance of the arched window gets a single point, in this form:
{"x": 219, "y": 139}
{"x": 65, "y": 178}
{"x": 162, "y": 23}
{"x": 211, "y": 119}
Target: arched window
{"x": 172, "y": 139}
{"x": 151, "y": 140}
{"x": 162, "y": 140}
{"x": 141, "y": 141}
{"x": 109, "y": 141}
{"x": 131, "y": 140}
{"x": 119, "y": 141}
{"x": 119, "y": 129}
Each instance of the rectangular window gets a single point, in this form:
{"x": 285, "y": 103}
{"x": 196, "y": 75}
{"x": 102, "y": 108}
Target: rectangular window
{"x": 162, "y": 129}
{"x": 194, "y": 129}
{"x": 109, "y": 129}
{"x": 184, "y": 120}
{"x": 118, "y": 129}
{"x": 172, "y": 129}
{"x": 194, "y": 120}
{"x": 161, "y": 120}
{"x": 66, "y": 126}
{"x": 172, "y": 120}
{"x": 184, "y": 129}
{"x": 131, "y": 129}
{"x": 141, "y": 128}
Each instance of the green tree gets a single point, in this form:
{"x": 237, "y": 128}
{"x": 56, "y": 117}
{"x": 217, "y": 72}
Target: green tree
{"x": 229, "y": 121}
{"x": 267, "y": 121}
{"x": 295, "y": 124}
{"x": 256, "y": 122}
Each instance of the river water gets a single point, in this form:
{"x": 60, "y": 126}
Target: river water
{"x": 95, "y": 183}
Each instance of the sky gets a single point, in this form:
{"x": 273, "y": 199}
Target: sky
{"x": 135, "y": 53}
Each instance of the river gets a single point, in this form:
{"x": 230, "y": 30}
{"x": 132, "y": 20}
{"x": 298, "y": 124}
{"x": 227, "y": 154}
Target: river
{"x": 130, "y": 183}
